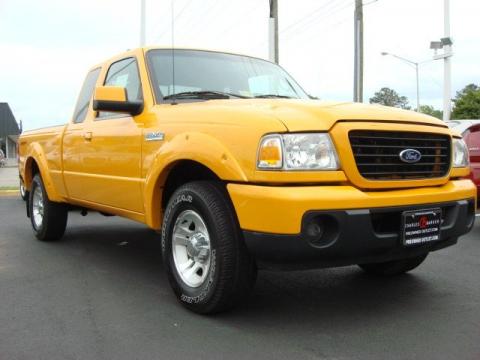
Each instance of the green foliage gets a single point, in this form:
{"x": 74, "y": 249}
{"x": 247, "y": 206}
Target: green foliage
{"x": 430, "y": 110}
{"x": 389, "y": 97}
{"x": 467, "y": 103}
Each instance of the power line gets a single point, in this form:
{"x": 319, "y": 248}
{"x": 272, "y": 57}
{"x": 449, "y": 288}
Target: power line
{"x": 312, "y": 16}
{"x": 323, "y": 26}
{"x": 242, "y": 18}
{"x": 333, "y": 10}
{"x": 198, "y": 26}
{"x": 180, "y": 13}
{"x": 330, "y": 12}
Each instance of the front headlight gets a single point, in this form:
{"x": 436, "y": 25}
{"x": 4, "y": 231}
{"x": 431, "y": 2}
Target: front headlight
{"x": 306, "y": 151}
{"x": 460, "y": 153}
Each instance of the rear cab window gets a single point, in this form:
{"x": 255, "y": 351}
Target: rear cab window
{"x": 85, "y": 96}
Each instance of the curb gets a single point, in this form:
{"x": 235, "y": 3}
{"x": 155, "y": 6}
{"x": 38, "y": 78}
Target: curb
{"x": 9, "y": 193}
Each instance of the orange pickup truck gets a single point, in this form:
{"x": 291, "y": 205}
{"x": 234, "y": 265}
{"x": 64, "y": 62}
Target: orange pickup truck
{"x": 239, "y": 169}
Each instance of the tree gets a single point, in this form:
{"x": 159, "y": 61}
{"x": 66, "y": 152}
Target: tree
{"x": 430, "y": 110}
{"x": 389, "y": 97}
{"x": 467, "y": 103}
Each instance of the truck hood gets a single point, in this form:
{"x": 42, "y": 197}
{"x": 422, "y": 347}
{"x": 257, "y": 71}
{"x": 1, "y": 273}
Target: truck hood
{"x": 307, "y": 115}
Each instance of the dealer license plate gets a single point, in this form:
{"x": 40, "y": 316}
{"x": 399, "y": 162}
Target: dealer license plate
{"x": 421, "y": 226}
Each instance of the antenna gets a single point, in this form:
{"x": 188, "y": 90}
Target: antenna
{"x": 174, "y": 102}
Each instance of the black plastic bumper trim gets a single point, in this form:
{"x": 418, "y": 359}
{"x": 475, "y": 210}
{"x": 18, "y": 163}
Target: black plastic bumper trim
{"x": 359, "y": 236}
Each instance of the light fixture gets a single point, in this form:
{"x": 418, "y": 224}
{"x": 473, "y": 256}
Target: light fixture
{"x": 436, "y": 45}
{"x": 446, "y": 41}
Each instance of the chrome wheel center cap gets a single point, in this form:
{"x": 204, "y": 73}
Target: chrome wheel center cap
{"x": 198, "y": 247}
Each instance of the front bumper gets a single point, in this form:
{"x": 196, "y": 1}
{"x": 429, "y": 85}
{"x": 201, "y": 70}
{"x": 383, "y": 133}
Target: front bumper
{"x": 361, "y": 227}
{"x": 357, "y": 236}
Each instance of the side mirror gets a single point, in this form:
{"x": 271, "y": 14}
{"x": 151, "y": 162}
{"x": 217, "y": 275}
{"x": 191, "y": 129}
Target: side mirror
{"x": 114, "y": 99}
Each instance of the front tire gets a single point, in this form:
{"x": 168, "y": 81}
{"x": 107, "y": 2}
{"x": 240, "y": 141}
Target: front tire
{"x": 206, "y": 260}
{"x": 49, "y": 219}
{"x": 395, "y": 267}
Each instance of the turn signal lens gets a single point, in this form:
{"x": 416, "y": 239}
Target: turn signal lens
{"x": 270, "y": 153}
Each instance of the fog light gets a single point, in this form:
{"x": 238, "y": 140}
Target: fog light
{"x": 321, "y": 230}
{"x": 315, "y": 229}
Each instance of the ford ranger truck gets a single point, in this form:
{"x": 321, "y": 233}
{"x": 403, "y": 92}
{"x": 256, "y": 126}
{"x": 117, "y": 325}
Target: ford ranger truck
{"x": 229, "y": 159}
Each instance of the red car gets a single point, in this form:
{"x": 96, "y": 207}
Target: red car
{"x": 470, "y": 130}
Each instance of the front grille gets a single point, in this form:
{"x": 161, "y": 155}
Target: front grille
{"x": 377, "y": 154}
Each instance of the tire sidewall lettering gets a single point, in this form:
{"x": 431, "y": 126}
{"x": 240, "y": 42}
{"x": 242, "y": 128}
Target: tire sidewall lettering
{"x": 181, "y": 198}
{"x": 184, "y": 201}
{"x": 205, "y": 292}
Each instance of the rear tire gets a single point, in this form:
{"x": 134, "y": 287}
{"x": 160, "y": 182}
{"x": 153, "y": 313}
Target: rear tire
{"x": 49, "y": 219}
{"x": 23, "y": 191}
{"x": 205, "y": 257}
{"x": 395, "y": 267}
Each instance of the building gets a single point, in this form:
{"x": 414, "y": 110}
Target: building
{"x": 9, "y": 131}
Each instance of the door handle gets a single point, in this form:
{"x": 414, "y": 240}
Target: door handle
{"x": 87, "y": 136}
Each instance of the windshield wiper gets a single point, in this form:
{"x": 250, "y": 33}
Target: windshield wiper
{"x": 207, "y": 94}
{"x": 266, "y": 96}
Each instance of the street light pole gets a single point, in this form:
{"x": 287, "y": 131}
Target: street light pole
{"x": 447, "y": 87}
{"x": 418, "y": 88}
{"x": 414, "y": 64}
{"x": 358, "y": 60}
{"x": 142, "y": 23}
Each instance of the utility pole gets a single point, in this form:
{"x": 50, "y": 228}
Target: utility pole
{"x": 273, "y": 53}
{"x": 447, "y": 77}
{"x": 358, "y": 62}
{"x": 142, "y": 22}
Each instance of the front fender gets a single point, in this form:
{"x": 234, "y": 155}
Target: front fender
{"x": 198, "y": 147}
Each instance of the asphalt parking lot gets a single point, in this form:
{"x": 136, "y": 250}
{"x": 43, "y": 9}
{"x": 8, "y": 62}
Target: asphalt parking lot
{"x": 8, "y": 177}
{"x": 102, "y": 294}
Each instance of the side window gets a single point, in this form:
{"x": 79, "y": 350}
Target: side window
{"x": 124, "y": 73}
{"x": 85, "y": 96}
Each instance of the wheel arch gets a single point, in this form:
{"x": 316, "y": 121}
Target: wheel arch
{"x": 36, "y": 163}
{"x": 31, "y": 168}
{"x": 174, "y": 175}
{"x": 205, "y": 156}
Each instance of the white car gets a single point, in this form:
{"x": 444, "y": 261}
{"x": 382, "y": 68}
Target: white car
{"x": 462, "y": 125}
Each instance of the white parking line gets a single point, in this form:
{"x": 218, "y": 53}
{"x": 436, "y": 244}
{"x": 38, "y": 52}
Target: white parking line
{"x": 477, "y": 214}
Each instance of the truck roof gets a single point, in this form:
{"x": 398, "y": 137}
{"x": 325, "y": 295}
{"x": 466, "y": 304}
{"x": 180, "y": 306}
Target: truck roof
{"x": 147, "y": 48}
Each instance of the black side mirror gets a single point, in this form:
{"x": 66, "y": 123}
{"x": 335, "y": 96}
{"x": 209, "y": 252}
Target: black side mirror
{"x": 114, "y": 99}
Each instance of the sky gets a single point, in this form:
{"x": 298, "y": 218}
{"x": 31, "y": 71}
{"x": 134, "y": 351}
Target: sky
{"x": 47, "y": 46}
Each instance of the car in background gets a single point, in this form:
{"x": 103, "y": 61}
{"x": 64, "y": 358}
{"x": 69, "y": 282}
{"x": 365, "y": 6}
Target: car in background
{"x": 470, "y": 130}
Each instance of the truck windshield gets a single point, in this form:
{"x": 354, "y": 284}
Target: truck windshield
{"x": 212, "y": 75}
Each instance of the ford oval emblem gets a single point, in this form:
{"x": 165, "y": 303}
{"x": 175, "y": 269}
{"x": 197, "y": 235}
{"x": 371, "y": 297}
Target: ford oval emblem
{"x": 410, "y": 156}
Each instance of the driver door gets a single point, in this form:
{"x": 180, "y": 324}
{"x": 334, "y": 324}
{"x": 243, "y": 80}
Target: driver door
{"x": 111, "y": 149}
